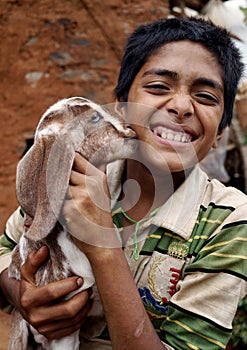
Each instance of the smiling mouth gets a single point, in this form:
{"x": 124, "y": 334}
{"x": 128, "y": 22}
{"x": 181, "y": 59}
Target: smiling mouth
{"x": 170, "y": 135}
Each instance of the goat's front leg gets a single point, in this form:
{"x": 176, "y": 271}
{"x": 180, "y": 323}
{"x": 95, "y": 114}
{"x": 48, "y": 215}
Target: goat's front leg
{"x": 19, "y": 333}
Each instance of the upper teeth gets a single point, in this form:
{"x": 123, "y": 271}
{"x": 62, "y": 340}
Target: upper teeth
{"x": 175, "y": 136}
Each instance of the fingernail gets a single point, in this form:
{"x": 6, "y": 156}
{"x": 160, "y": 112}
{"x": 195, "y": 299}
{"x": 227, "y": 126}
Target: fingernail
{"x": 79, "y": 281}
{"x": 42, "y": 248}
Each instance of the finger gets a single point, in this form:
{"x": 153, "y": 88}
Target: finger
{"x": 102, "y": 168}
{"x": 52, "y": 292}
{"x": 83, "y": 166}
{"x": 61, "y": 332}
{"x": 32, "y": 264}
{"x": 69, "y": 308}
{"x": 48, "y": 316}
{"x": 62, "y": 328}
{"x": 76, "y": 178}
{"x": 68, "y": 195}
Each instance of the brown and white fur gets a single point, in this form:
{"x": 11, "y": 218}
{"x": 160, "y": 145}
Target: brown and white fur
{"x": 71, "y": 125}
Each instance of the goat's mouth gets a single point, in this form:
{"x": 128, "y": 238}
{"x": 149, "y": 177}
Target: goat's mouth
{"x": 117, "y": 149}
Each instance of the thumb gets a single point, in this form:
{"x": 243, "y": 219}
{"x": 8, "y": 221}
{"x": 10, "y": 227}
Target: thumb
{"x": 34, "y": 260}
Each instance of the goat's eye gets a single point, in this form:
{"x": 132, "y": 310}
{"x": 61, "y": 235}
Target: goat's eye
{"x": 95, "y": 118}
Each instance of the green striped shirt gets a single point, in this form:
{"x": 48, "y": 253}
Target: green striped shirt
{"x": 192, "y": 269}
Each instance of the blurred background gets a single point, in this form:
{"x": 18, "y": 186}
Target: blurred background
{"x": 53, "y": 49}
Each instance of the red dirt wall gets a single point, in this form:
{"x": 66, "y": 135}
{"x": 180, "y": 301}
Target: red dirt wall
{"x": 52, "y": 49}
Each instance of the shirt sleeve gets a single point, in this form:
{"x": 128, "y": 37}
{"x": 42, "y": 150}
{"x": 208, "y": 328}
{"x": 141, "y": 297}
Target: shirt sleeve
{"x": 8, "y": 241}
{"x": 10, "y": 237}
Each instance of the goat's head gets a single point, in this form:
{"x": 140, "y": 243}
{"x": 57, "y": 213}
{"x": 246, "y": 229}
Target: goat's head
{"x": 71, "y": 125}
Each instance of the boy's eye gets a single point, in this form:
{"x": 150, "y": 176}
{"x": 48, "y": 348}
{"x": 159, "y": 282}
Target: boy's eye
{"x": 157, "y": 87}
{"x": 206, "y": 98}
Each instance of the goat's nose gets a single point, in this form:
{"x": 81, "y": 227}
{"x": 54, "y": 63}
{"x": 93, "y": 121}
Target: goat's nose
{"x": 129, "y": 132}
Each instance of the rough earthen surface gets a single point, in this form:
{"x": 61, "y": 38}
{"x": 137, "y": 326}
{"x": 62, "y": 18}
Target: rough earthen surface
{"x": 56, "y": 49}
{"x": 52, "y": 49}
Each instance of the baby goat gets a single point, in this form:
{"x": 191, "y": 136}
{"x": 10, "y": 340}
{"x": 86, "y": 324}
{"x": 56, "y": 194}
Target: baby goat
{"x": 71, "y": 125}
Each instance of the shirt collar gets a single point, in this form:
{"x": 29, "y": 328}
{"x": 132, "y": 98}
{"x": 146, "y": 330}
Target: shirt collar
{"x": 180, "y": 211}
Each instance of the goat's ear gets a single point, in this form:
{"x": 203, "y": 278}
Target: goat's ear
{"x": 42, "y": 181}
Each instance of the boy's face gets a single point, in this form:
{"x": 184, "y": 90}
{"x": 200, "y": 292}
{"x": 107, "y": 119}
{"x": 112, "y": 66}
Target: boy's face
{"x": 175, "y": 105}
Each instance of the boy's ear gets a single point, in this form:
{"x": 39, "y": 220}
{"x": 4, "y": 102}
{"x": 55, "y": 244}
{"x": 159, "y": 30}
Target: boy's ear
{"x": 218, "y": 138}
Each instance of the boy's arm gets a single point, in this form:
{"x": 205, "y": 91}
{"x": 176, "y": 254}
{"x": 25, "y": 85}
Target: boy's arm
{"x": 92, "y": 227}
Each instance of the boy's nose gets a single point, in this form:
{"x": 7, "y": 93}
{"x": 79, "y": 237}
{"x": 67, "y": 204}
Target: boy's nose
{"x": 180, "y": 106}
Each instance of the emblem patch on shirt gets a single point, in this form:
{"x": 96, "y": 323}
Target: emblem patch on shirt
{"x": 178, "y": 250}
{"x": 158, "y": 282}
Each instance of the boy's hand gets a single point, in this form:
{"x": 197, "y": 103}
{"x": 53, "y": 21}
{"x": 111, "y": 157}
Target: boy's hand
{"x": 87, "y": 209}
{"x": 42, "y": 306}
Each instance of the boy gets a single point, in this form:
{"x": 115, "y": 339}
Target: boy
{"x": 178, "y": 280}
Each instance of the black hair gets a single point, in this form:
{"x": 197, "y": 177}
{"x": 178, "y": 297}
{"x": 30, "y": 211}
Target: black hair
{"x": 147, "y": 38}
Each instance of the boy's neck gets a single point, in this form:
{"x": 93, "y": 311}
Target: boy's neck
{"x": 143, "y": 192}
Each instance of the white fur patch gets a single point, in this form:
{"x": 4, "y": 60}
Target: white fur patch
{"x": 76, "y": 260}
{"x": 51, "y": 129}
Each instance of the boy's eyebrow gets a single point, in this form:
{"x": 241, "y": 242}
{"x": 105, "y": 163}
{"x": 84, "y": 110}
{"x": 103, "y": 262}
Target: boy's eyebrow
{"x": 174, "y": 75}
{"x": 161, "y": 72}
{"x": 209, "y": 82}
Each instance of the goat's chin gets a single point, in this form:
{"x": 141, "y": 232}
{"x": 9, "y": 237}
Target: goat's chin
{"x": 121, "y": 149}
